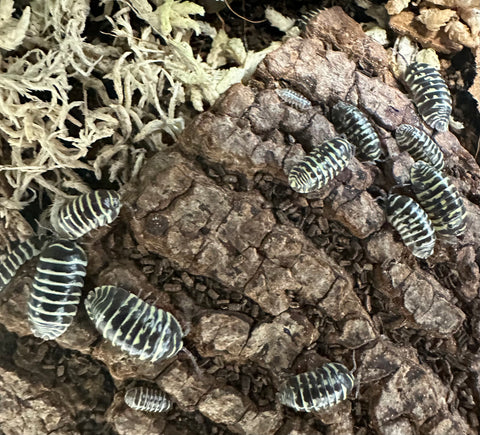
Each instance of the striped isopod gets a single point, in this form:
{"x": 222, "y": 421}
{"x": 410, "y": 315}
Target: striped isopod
{"x": 350, "y": 120}
{"x": 324, "y": 163}
{"x": 294, "y": 99}
{"x": 412, "y": 223}
{"x": 419, "y": 145}
{"x": 317, "y": 389}
{"x": 138, "y": 328}
{"x": 439, "y": 198}
{"x": 86, "y": 212}
{"x": 56, "y": 289}
{"x": 430, "y": 94}
{"x": 147, "y": 399}
{"x": 23, "y": 252}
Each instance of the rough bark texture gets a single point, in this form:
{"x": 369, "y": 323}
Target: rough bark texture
{"x": 269, "y": 282}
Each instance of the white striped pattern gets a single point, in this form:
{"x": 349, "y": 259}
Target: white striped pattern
{"x": 56, "y": 289}
{"x": 430, "y": 94}
{"x": 439, "y": 198}
{"x": 23, "y": 252}
{"x": 147, "y": 399}
{"x": 412, "y": 223}
{"x": 317, "y": 389}
{"x": 350, "y": 120}
{"x": 319, "y": 167}
{"x": 138, "y": 328}
{"x": 294, "y": 99}
{"x": 419, "y": 145}
{"x": 86, "y": 212}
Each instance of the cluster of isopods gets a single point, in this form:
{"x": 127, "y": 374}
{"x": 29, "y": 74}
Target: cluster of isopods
{"x": 440, "y": 209}
{"x": 138, "y": 328}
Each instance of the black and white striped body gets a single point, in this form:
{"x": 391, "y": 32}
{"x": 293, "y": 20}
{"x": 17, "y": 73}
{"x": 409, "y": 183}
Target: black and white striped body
{"x": 23, "y": 252}
{"x": 350, "y": 120}
{"x": 56, "y": 289}
{"x": 317, "y": 389}
{"x": 439, "y": 198}
{"x": 294, "y": 99}
{"x": 324, "y": 163}
{"x": 430, "y": 94}
{"x": 86, "y": 212}
{"x": 147, "y": 399}
{"x": 419, "y": 145}
{"x": 138, "y": 328}
{"x": 412, "y": 223}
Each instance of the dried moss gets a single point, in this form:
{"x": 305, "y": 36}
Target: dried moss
{"x": 75, "y": 99}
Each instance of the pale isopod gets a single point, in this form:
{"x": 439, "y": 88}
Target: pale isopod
{"x": 147, "y": 399}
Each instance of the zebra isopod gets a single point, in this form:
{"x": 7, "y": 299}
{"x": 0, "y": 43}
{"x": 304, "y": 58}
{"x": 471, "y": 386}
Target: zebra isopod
{"x": 419, "y": 145}
{"x": 23, "y": 252}
{"x": 439, "y": 198}
{"x": 86, "y": 212}
{"x": 138, "y": 328}
{"x": 430, "y": 94}
{"x": 412, "y": 223}
{"x": 350, "y": 120}
{"x": 147, "y": 399}
{"x": 56, "y": 289}
{"x": 324, "y": 163}
{"x": 317, "y": 389}
{"x": 294, "y": 98}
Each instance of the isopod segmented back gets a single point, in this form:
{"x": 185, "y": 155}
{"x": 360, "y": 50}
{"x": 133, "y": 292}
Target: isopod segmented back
{"x": 147, "y": 399}
{"x": 439, "y": 198}
{"x": 412, "y": 223}
{"x": 137, "y": 327}
{"x": 86, "y": 212}
{"x": 350, "y": 120}
{"x": 294, "y": 99}
{"x": 324, "y": 163}
{"x": 430, "y": 94}
{"x": 56, "y": 289}
{"x": 23, "y": 252}
{"x": 419, "y": 145}
{"x": 317, "y": 389}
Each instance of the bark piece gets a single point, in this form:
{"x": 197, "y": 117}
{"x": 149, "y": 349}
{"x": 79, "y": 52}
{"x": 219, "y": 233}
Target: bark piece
{"x": 275, "y": 345}
{"x": 424, "y": 299}
{"x": 40, "y": 411}
{"x": 405, "y": 23}
{"x": 221, "y": 334}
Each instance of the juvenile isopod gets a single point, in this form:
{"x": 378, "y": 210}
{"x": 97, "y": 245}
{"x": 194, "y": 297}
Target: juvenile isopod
{"x": 317, "y": 389}
{"x": 412, "y": 223}
{"x": 324, "y": 163}
{"x": 294, "y": 99}
{"x": 138, "y": 328}
{"x": 23, "y": 252}
{"x": 439, "y": 198}
{"x": 350, "y": 120}
{"x": 56, "y": 289}
{"x": 147, "y": 399}
{"x": 419, "y": 145}
{"x": 430, "y": 94}
{"x": 86, "y": 212}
